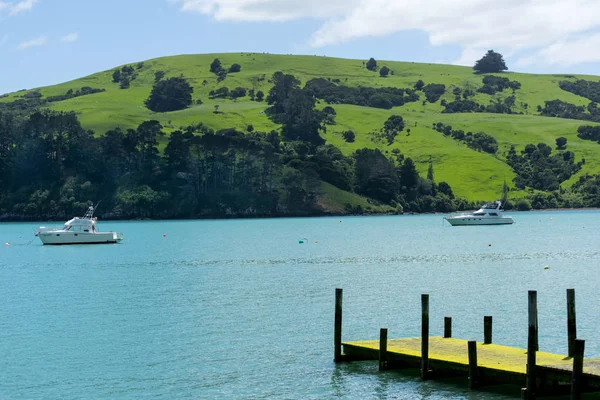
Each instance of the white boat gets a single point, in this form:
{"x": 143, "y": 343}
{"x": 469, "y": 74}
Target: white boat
{"x": 78, "y": 231}
{"x": 488, "y": 214}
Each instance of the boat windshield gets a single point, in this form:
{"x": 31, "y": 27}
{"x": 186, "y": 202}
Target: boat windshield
{"x": 479, "y": 213}
{"x": 490, "y": 206}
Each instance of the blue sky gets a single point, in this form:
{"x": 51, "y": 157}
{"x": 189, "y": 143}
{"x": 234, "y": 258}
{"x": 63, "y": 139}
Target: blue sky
{"x": 44, "y": 42}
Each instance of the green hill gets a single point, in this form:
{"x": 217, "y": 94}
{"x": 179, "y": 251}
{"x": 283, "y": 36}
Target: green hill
{"x": 474, "y": 175}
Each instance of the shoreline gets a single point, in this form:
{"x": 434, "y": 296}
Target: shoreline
{"x": 19, "y": 219}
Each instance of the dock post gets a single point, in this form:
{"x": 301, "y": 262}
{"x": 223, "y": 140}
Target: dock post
{"x": 487, "y": 329}
{"x": 576, "y": 383}
{"x": 571, "y": 321}
{"x": 532, "y": 345}
{"x": 383, "y": 356}
{"x": 524, "y": 394}
{"x": 424, "y": 336}
{"x": 337, "y": 334}
{"x": 447, "y": 327}
{"x": 473, "y": 378}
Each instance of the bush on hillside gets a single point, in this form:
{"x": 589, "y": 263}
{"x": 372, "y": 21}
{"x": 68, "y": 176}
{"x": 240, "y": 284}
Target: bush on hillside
{"x": 372, "y": 64}
{"x": 170, "y": 95}
{"x": 434, "y": 91}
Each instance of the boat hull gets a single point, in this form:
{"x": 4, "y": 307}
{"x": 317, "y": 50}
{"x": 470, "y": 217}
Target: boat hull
{"x": 469, "y": 221}
{"x": 65, "y": 238}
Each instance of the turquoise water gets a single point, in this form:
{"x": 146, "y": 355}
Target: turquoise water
{"x": 239, "y": 309}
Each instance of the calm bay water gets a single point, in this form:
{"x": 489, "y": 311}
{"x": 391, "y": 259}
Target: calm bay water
{"x": 240, "y": 309}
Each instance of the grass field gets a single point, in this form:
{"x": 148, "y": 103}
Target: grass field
{"x": 474, "y": 175}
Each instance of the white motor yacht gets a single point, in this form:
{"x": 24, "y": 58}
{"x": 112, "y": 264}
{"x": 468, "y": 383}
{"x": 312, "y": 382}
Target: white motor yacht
{"x": 78, "y": 231}
{"x": 488, "y": 214}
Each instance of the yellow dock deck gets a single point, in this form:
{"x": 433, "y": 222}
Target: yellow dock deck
{"x": 453, "y": 352}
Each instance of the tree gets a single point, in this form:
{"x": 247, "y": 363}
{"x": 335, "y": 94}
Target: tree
{"x": 349, "y": 136}
{"x": 158, "y": 75}
{"x": 125, "y": 81}
{"x": 491, "y": 62}
{"x": 116, "y": 76}
{"x": 384, "y": 71}
{"x": 300, "y": 120}
{"x": 283, "y": 85}
{"x": 260, "y": 95}
{"x": 238, "y": 92}
{"x": 170, "y": 95}
{"x": 215, "y": 66}
{"x": 430, "y": 172}
{"x": 372, "y": 64}
{"x": 561, "y": 143}
{"x": 235, "y": 68}
{"x": 419, "y": 85}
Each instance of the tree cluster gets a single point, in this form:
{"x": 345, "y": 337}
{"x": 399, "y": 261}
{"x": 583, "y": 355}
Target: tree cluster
{"x": 125, "y": 76}
{"x": 497, "y": 84}
{"x": 479, "y": 141}
{"x": 217, "y": 68}
{"x": 386, "y": 97}
{"x": 434, "y": 91}
{"x": 538, "y": 168}
{"x": 587, "y": 132}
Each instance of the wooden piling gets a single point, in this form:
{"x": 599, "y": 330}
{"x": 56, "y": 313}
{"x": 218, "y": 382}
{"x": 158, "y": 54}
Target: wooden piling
{"x": 447, "y": 327}
{"x": 473, "y": 378}
{"x": 487, "y": 329}
{"x": 383, "y": 356}
{"x": 571, "y": 321}
{"x": 424, "y": 336}
{"x": 576, "y": 382}
{"x": 337, "y": 334}
{"x": 524, "y": 394}
{"x": 532, "y": 345}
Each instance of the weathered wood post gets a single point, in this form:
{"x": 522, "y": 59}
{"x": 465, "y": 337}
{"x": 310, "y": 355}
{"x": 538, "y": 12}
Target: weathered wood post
{"x": 571, "y": 321}
{"x": 524, "y": 394}
{"x": 473, "y": 378}
{"x": 576, "y": 382}
{"x": 447, "y": 327}
{"x": 487, "y": 329}
{"x": 424, "y": 336}
{"x": 532, "y": 345}
{"x": 337, "y": 331}
{"x": 383, "y": 356}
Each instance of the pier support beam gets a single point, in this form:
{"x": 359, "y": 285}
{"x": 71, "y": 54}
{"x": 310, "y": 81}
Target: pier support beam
{"x": 577, "y": 381}
{"x": 447, "y": 327}
{"x": 571, "y": 321}
{"x": 487, "y": 329}
{"x": 424, "y": 336}
{"x": 337, "y": 331}
{"x": 532, "y": 345}
{"x": 473, "y": 377}
{"x": 383, "y": 356}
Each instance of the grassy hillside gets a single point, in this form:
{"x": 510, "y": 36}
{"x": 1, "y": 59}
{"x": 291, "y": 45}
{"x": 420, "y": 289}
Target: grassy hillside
{"x": 472, "y": 174}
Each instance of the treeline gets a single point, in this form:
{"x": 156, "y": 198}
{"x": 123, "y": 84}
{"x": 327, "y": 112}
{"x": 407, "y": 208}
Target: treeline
{"x": 562, "y": 109}
{"x": 588, "y": 89}
{"x": 479, "y": 141}
{"x": 587, "y": 132}
{"x": 51, "y": 168}
{"x": 33, "y": 99}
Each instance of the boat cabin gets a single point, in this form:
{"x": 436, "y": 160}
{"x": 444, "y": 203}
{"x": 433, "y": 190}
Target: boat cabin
{"x": 80, "y": 225}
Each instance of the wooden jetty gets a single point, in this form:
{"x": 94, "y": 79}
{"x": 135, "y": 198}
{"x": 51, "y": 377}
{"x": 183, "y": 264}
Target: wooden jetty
{"x": 484, "y": 363}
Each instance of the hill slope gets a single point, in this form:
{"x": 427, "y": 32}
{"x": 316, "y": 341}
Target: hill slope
{"x": 472, "y": 174}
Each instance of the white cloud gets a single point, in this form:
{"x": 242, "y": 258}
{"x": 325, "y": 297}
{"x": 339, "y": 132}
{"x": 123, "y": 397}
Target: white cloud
{"x": 509, "y": 26}
{"x": 70, "y": 38}
{"x": 21, "y": 6}
{"x": 39, "y": 41}
{"x": 3, "y": 5}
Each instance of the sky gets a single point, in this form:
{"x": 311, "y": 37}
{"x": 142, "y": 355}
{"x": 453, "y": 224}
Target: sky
{"x": 44, "y": 42}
